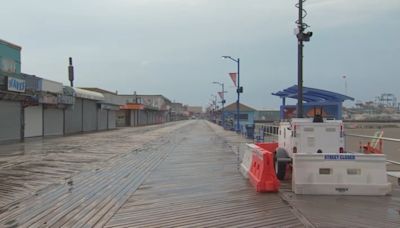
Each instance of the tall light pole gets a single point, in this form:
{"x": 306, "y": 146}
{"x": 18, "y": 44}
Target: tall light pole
{"x": 214, "y": 102}
{"x": 222, "y": 102}
{"x": 239, "y": 90}
{"x": 302, "y": 36}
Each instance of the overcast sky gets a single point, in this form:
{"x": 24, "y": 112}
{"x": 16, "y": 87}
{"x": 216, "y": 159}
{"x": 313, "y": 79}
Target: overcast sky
{"x": 174, "y": 47}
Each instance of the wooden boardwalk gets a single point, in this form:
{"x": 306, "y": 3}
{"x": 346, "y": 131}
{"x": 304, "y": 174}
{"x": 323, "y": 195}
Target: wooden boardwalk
{"x": 180, "y": 175}
{"x": 198, "y": 185}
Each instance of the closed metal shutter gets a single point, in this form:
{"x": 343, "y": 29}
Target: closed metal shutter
{"x": 53, "y": 121}
{"x": 121, "y": 118}
{"x": 112, "y": 115}
{"x": 102, "y": 119}
{"x": 10, "y": 120}
{"x": 73, "y": 117}
{"x": 89, "y": 115}
{"x": 33, "y": 121}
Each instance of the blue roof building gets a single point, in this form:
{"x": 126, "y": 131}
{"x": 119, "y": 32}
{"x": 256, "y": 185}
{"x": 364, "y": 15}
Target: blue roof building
{"x": 330, "y": 102}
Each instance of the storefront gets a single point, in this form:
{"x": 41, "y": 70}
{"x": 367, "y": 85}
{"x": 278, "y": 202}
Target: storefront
{"x": 107, "y": 116}
{"x": 82, "y": 116}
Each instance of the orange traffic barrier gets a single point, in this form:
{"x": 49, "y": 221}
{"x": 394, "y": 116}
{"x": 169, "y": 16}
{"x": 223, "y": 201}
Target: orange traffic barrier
{"x": 262, "y": 173}
{"x": 268, "y": 146}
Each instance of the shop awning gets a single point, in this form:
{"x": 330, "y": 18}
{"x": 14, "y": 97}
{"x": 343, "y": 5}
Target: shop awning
{"x": 132, "y": 106}
{"x": 86, "y": 94}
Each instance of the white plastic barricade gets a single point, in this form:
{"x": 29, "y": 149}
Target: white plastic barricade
{"x": 340, "y": 174}
{"x": 246, "y": 160}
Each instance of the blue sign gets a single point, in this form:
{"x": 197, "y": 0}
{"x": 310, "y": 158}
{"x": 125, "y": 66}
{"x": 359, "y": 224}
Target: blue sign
{"x": 15, "y": 84}
{"x": 340, "y": 157}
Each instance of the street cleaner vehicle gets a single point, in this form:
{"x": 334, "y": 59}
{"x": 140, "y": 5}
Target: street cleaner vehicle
{"x": 313, "y": 150}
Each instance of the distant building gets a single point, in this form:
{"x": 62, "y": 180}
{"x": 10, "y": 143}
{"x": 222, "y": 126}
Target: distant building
{"x": 139, "y": 110}
{"x": 246, "y": 116}
{"x": 177, "y": 111}
{"x": 195, "y": 110}
{"x": 263, "y": 116}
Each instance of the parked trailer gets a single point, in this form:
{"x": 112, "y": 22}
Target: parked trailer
{"x": 313, "y": 150}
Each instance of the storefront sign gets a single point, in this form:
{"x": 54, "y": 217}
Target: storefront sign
{"x": 16, "y": 85}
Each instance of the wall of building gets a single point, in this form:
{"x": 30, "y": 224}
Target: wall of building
{"x": 230, "y": 119}
{"x": 10, "y": 57}
{"x": 267, "y": 116}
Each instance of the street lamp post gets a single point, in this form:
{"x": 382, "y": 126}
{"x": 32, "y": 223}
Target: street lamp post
{"x": 239, "y": 90}
{"x": 215, "y": 107}
{"x": 222, "y": 102}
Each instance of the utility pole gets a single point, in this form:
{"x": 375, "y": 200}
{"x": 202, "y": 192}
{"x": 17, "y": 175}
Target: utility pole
{"x": 301, "y": 37}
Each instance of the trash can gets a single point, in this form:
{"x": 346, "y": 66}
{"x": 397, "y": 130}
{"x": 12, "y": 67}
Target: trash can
{"x": 250, "y": 131}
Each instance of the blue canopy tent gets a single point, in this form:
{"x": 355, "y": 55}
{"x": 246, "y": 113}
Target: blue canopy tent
{"x": 330, "y": 102}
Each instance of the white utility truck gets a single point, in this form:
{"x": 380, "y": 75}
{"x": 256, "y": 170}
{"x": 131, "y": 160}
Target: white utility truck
{"x": 314, "y": 148}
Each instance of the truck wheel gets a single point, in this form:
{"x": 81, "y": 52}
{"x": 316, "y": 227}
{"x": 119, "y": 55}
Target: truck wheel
{"x": 280, "y": 169}
{"x": 280, "y": 166}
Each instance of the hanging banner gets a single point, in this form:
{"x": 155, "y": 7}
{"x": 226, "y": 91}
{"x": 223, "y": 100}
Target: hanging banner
{"x": 221, "y": 95}
{"x": 233, "y": 77}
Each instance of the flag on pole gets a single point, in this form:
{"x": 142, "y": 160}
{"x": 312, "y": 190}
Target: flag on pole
{"x": 233, "y": 77}
{"x": 221, "y": 95}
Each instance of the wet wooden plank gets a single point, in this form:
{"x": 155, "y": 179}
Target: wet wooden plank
{"x": 198, "y": 185}
{"x": 91, "y": 196}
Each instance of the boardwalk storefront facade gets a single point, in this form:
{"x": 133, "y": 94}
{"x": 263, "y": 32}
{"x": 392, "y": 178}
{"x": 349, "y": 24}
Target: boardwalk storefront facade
{"x": 31, "y": 106}
{"x": 12, "y": 92}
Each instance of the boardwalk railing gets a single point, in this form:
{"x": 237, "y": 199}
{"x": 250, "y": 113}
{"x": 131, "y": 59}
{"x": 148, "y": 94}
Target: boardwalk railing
{"x": 266, "y": 132}
{"x": 389, "y": 142}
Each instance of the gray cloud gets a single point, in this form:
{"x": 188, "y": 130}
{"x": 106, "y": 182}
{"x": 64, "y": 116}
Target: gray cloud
{"x": 173, "y": 47}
